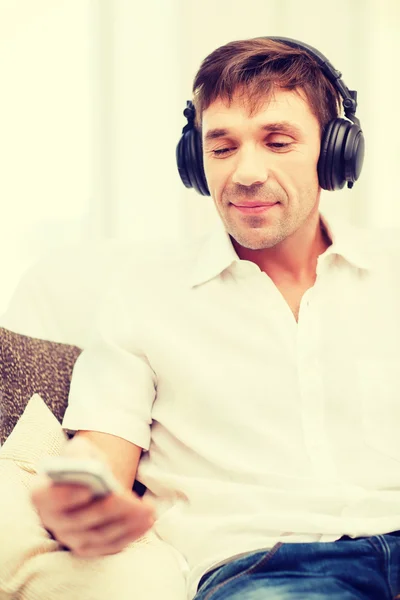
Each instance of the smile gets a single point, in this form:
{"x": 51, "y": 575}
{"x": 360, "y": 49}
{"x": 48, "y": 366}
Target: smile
{"x": 254, "y": 208}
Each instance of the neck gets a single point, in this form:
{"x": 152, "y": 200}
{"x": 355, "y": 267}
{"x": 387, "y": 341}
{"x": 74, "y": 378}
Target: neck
{"x": 295, "y": 258}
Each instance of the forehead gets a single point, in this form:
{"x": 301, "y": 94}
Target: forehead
{"x": 283, "y": 105}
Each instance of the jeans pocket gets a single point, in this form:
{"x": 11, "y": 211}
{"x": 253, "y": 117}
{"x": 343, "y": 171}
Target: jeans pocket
{"x": 379, "y": 395}
{"x": 260, "y": 564}
{"x": 236, "y": 569}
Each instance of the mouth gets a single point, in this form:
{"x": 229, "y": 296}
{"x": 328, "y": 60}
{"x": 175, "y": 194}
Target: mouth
{"x": 254, "y": 207}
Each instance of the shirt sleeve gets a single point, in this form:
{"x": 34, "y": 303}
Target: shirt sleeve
{"x": 113, "y": 386}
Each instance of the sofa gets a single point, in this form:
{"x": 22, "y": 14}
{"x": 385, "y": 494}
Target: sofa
{"x": 48, "y": 322}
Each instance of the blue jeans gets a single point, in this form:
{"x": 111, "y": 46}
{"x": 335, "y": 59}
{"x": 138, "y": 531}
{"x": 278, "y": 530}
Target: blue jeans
{"x": 366, "y": 568}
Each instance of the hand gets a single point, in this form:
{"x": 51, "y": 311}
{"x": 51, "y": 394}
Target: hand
{"x": 90, "y": 527}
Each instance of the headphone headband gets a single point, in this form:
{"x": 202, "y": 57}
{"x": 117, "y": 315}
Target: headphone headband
{"x": 334, "y": 76}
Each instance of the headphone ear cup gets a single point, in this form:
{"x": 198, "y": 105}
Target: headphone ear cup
{"x": 181, "y": 162}
{"x": 198, "y": 164}
{"x": 341, "y": 156}
{"x": 354, "y": 154}
{"x": 329, "y": 161}
{"x": 189, "y": 157}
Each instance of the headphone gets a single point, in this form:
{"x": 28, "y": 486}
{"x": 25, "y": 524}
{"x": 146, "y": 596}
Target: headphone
{"x": 342, "y": 145}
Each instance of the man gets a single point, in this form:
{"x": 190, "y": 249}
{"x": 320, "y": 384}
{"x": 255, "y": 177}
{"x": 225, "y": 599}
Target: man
{"x": 251, "y": 382}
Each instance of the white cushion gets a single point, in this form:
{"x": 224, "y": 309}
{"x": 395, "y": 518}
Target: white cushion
{"x": 32, "y": 565}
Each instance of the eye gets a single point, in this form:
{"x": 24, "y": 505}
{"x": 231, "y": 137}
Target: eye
{"x": 279, "y": 145}
{"x": 221, "y": 151}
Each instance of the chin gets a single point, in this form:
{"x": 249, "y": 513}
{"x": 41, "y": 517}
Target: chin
{"x": 254, "y": 243}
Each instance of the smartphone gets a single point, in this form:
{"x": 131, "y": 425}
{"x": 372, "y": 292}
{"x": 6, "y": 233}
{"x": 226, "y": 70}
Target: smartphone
{"x": 83, "y": 471}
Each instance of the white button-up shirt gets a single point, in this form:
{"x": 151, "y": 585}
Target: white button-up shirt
{"x": 256, "y": 428}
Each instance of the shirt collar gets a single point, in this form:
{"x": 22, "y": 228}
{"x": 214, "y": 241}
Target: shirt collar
{"x": 217, "y": 253}
{"x": 354, "y": 244}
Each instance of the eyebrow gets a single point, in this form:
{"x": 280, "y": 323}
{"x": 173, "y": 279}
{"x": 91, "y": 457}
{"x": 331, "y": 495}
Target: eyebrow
{"x": 280, "y": 126}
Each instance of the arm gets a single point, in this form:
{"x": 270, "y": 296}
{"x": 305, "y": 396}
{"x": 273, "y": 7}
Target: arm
{"x": 109, "y": 409}
{"x": 122, "y": 456}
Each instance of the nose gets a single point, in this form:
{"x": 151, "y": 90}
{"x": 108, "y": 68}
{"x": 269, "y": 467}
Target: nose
{"x": 251, "y": 167}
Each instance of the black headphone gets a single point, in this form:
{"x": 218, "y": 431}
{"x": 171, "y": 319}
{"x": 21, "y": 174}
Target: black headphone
{"x": 342, "y": 145}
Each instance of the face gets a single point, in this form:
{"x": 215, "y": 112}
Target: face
{"x": 262, "y": 170}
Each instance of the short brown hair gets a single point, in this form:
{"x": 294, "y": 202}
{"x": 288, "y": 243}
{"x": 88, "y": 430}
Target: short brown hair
{"x": 256, "y": 66}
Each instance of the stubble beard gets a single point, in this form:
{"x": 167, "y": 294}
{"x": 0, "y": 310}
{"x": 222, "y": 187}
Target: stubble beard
{"x": 256, "y": 232}
{"x": 259, "y": 232}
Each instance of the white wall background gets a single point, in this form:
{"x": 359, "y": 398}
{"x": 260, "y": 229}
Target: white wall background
{"x": 92, "y": 94}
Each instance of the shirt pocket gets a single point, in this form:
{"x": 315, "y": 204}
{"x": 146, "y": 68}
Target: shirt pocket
{"x": 379, "y": 390}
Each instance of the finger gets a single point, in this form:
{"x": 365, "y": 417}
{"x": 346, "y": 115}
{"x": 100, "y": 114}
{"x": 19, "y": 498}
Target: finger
{"x": 40, "y": 487}
{"x": 98, "y": 537}
{"x": 61, "y": 498}
{"x": 115, "y": 532}
{"x": 52, "y": 517}
{"x": 111, "y": 539}
{"x": 45, "y": 493}
{"x": 96, "y": 514}
{"x": 109, "y": 509}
